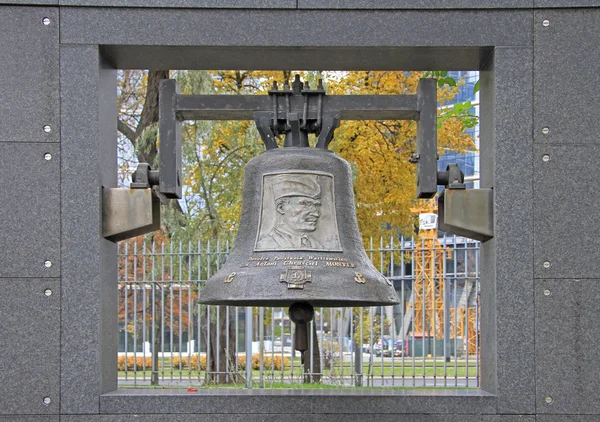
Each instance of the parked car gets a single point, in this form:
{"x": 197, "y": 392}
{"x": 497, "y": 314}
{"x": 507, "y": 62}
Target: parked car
{"x": 384, "y": 347}
{"x": 399, "y": 348}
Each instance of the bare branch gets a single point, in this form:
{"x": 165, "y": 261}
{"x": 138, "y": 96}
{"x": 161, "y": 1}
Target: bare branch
{"x": 126, "y": 131}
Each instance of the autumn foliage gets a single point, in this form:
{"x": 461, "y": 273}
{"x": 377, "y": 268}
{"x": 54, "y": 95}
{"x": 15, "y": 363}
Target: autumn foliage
{"x": 215, "y": 153}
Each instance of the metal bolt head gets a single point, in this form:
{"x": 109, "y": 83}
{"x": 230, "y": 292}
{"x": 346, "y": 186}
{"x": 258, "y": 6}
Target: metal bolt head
{"x": 548, "y": 400}
{"x": 545, "y": 130}
{"x": 546, "y": 264}
{"x": 48, "y": 292}
{"x": 47, "y": 156}
{"x": 47, "y": 264}
{"x": 547, "y": 292}
{"x": 46, "y": 21}
{"x": 47, "y": 129}
{"x": 545, "y": 158}
{"x": 546, "y": 22}
{"x": 47, "y": 400}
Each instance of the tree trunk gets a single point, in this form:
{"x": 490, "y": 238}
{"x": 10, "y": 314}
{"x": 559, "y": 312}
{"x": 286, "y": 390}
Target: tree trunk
{"x": 222, "y": 355}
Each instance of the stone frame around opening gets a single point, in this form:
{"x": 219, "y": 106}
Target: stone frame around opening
{"x": 96, "y": 41}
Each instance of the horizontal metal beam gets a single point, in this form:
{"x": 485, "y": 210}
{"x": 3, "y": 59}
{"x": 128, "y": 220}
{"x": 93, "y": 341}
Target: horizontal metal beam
{"x": 128, "y": 213}
{"x": 350, "y": 107}
{"x": 467, "y": 212}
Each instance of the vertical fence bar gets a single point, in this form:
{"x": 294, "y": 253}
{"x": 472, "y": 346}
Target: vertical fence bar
{"x": 190, "y": 320}
{"x": 293, "y": 350}
{"x": 208, "y": 319}
{"x": 162, "y": 309}
{"x": 341, "y": 341}
{"x": 455, "y": 310}
{"x": 237, "y": 334}
{"x": 424, "y": 305}
{"x": 360, "y": 344}
{"x": 199, "y": 338}
{"x": 446, "y": 314}
{"x": 208, "y": 345}
{"x": 434, "y": 297}
{"x": 153, "y": 351}
{"x": 261, "y": 347}
{"x": 381, "y": 339}
{"x": 126, "y": 310}
{"x": 217, "y": 349}
{"x": 311, "y": 346}
{"x": 372, "y": 347}
{"x": 282, "y": 326}
{"x": 171, "y": 308}
{"x": 135, "y": 313}
{"x": 248, "y": 347}
{"x": 353, "y": 350}
{"x": 402, "y": 307}
{"x": 218, "y": 329}
{"x": 273, "y": 347}
{"x": 144, "y": 309}
{"x": 393, "y": 322}
{"x": 227, "y": 350}
{"x": 227, "y": 324}
{"x": 466, "y": 316}
{"x": 477, "y": 279}
{"x": 412, "y": 299}
{"x": 180, "y": 308}
{"x": 200, "y": 284}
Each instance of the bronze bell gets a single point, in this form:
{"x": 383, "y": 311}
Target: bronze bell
{"x": 298, "y": 244}
{"x": 298, "y": 239}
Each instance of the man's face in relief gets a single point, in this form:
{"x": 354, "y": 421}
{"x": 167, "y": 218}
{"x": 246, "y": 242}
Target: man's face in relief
{"x": 300, "y": 213}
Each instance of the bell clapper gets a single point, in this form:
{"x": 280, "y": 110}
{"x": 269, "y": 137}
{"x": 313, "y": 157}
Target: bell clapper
{"x": 301, "y": 313}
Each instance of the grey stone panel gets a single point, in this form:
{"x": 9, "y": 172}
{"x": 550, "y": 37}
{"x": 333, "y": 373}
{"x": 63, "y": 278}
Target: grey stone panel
{"x": 197, "y": 4}
{"x": 488, "y": 343}
{"x": 107, "y": 162}
{"x": 30, "y": 209}
{"x": 295, "y": 401}
{"x": 567, "y": 335}
{"x": 88, "y": 262}
{"x": 566, "y": 204}
{"x": 29, "y": 418}
{"x": 30, "y": 332}
{"x": 567, "y": 418}
{"x": 29, "y": 68}
{"x": 283, "y": 28}
{"x": 567, "y": 78}
{"x": 32, "y": 2}
{"x": 566, "y": 3}
{"x": 302, "y": 58}
{"x": 317, "y": 417}
{"x": 411, "y": 4}
{"x": 507, "y": 271}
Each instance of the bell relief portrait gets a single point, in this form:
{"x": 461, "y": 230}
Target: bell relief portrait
{"x": 297, "y": 213}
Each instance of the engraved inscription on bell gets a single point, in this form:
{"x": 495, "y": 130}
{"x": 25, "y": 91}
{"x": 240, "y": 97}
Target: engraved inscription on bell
{"x": 296, "y": 277}
{"x": 298, "y": 213}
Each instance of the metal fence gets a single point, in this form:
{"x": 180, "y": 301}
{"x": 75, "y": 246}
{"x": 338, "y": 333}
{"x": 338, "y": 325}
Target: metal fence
{"x": 430, "y": 339}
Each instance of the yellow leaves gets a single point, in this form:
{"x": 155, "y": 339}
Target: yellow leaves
{"x": 384, "y": 183}
{"x": 378, "y": 151}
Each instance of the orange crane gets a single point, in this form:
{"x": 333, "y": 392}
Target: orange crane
{"x": 428, "y": 286}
